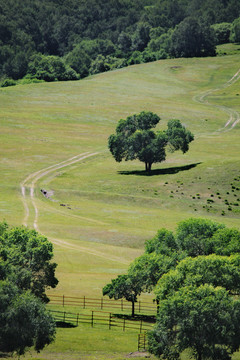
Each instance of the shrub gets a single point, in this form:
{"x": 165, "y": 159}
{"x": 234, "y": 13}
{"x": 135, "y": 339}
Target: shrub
{"x": 8, "y": 82}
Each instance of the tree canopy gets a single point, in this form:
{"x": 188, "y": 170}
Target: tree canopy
{"x": 135, "y": 139}
{"x": 213, "y": 269}
{"x": 124, "y": 286}
{"x": 203, "y": 319}
{"x": 25, "y": 322}
{"x": 195, "y": 275}
{"x": 193, "y": 38}
{"x": 26, "y": 271}
{"x": 25, "y": 257}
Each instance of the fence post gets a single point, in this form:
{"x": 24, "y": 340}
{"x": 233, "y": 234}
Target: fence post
{"x": 63, "y": 300}
{"x": 139, "y": 306}
{"x": 77, "y": 318}
{"x": 122, "y": 304}
{"x": 140, "y": 326}
{"x": 139, "y": 342}
{"x": 110, "y": 318}
{"x": 101, "y": 303}
{"x": 92, "y": 318}
{"x": 84, "y": 302}
{"x": 124, "y": 320}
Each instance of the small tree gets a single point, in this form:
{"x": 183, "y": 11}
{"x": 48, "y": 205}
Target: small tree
{"x": 124, "y": 286}
{"x": 135, "y": 139}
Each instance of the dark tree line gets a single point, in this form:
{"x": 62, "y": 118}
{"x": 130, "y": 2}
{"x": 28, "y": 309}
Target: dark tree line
{"x": 86, "y": 37}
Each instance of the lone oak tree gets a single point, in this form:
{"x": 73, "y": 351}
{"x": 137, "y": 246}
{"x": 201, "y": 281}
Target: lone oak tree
{"x": 135, "y": 139}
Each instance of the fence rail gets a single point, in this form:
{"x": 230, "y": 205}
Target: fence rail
{"x": 142, "y": 342}
{"x": 102, "y": 303}
{"x": 100, "y": 318}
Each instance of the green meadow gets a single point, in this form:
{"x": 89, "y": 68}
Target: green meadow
{"x": 98, "y": 213}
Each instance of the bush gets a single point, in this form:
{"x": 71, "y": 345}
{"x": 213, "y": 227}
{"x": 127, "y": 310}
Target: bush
{"x": 136, "y": 58}
{"x": 50, "y": 68}
{"x": 222, "y": 32}
{"x": 8, "y": 82}
{"x": 235, "y": 31}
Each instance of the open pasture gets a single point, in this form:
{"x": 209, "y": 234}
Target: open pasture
{"x": 97, "y": 212}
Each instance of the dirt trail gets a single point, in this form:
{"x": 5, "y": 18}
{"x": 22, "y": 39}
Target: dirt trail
{"x": 28, "y": 185}
{"x": 234, "y": 116}
{"x": 28, "y": 197}
{"x": 71, "y": 246}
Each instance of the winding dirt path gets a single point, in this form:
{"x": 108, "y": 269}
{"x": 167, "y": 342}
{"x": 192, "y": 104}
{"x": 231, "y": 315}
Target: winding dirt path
{"x": 28, "y": 185}
{"x": 234, "y": 117}
{"x": 28, "y": 198}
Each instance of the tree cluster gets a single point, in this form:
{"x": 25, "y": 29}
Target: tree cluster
{"x": 86, "y": 37}
{"x": 195, "y": 275}
{"x": 26, "y": 271}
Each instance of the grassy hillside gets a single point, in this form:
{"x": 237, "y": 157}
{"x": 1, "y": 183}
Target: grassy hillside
{"x": 96, "y": 211}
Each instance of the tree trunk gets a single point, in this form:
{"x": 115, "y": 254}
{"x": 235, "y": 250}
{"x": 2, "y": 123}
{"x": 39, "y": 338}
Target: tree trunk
{"x": 133, "y": 308}
{"x": 199, "y": 355}
{"x": 148, "y": 166}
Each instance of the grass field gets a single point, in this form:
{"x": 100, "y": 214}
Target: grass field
{"x": 100, "y": 213}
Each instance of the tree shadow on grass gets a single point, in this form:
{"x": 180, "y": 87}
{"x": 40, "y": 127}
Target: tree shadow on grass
{"x": 63, "y": 324}
{"x": 137, "y": 317}
{"x": 171, "y": 170}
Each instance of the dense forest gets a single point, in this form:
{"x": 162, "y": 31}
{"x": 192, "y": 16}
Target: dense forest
{"x": 70, "y": 39}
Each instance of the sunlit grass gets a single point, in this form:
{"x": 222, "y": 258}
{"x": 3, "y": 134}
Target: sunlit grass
{"x": 112, "y": 208}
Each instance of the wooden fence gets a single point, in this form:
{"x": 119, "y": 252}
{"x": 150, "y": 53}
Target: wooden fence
{"x": 103, "y": 303}
{"x": 100, "y": 318}
{"x": 142, "y": 341}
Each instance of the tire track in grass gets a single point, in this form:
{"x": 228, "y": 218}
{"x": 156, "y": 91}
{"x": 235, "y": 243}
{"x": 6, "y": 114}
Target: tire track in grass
{"x": 68, "y": 245}
{"x": 30, "y": 181}
{"x": 234, "y": 117}
{"x": 27, "y": 191}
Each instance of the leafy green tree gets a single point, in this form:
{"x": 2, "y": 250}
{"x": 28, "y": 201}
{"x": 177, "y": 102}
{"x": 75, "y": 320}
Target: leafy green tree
{"x": 27, "y": 256}
{"x": 178, "y": 136}
{"x": 141, "y": 37}
{"x": 134, "y": 139}
{"x": 213, "y": 269}
{"x": 124, "y": 42}
{"x": 124, "y": 286}
{"x": 195, "y": 236}
{"x": 79, "y": 60}
{"x": 204, "y": 319}
{"x": 24, "y": 321}
{"x": 148, "y": 269}
{"x": 226, "y": 241}
{"x": 50, "y": 68}
{"x": 235, "y": 31}
{"x": 163, "y": 243}
{"x": 135, "y": 58}
{"x": 222, "y": 32}
{"x": 193, "y": 38}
